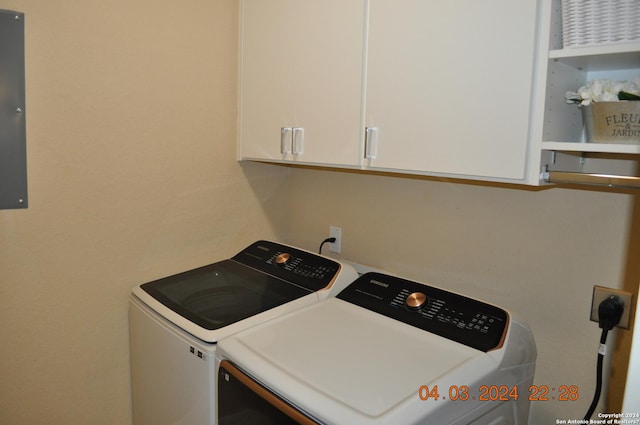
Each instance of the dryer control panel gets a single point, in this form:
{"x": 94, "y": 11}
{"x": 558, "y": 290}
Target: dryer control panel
{"x": 465, "y": 320}
{"x": 303, "y": 268}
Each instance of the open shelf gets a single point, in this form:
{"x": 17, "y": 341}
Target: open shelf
{"x": 591, "y": 147}
{"x": 598, "y": 58}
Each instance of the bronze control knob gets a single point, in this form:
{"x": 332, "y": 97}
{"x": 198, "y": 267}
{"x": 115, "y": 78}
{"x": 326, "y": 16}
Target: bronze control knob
{"x": 416, "y": 301}
{"x": 283, "y": 258}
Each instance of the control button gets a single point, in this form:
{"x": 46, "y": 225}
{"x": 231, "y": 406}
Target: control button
{"x": 416, "y": 300}
{"x": 283, "y": 258}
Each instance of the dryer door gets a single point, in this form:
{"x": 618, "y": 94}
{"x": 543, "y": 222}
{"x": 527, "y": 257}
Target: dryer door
{"x": 241, "y": 401}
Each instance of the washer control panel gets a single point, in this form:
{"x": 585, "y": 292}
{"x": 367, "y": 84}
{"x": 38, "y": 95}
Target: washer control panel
{"x": 450, "y": 315}
{"x": 303, "y": 268}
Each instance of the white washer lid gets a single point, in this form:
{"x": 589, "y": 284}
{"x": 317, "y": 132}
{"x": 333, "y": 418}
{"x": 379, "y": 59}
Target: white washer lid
{"x": 345, "y": 364}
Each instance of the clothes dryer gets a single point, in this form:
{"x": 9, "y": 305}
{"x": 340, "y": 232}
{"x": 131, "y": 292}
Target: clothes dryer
{"x": 385, "y": 351}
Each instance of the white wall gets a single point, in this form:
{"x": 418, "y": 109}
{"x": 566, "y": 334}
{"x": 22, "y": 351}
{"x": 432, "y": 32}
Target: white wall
{"x": 631, "y": 402}
{"x": 131, "y": 129}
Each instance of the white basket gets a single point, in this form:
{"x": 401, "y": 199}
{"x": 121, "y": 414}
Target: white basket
{"x": 593, "y": 22}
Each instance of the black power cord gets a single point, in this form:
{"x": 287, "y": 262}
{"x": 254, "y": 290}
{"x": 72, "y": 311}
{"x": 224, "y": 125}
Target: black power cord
{"x": 329, "y": 240}
{"x": 609, "y": 314}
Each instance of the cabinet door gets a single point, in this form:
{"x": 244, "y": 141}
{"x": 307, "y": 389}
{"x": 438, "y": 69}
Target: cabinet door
{"x": 449, "y": 85}
{"x": 301, "y": 66}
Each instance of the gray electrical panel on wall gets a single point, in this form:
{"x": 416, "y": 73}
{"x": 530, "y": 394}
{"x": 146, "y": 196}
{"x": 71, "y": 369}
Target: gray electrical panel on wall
{"x": 13, "y": 138}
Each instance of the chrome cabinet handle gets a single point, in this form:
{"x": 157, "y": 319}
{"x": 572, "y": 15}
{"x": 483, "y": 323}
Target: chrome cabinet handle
{"x": 371, "y": 143}
{"x": 298, "y": 140}
{"x": 285, "y": 140}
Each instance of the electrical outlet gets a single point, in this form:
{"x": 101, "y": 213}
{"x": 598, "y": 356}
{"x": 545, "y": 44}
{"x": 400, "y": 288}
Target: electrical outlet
{"x": 600, "y": 293}
{"x": 335, "y": 232}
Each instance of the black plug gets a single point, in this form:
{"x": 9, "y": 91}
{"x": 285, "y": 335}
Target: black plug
{"x": 609, "y": 312}
{"x": 328, "y": 240}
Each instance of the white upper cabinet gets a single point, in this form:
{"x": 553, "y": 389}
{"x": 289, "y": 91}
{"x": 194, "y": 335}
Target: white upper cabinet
{"x": 301, "y": 66}
{"x": 449, "y": 86}
{"x": 470, "y": 89}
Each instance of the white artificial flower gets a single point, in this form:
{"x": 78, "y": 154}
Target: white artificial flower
{"x": 632, "y": 86}
{"x": 602, "y": 91}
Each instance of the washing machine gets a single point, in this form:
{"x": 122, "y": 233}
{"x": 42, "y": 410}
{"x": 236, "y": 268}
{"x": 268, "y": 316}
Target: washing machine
{"x": 386, "y": 350}
{"x": 177, "y": 321}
